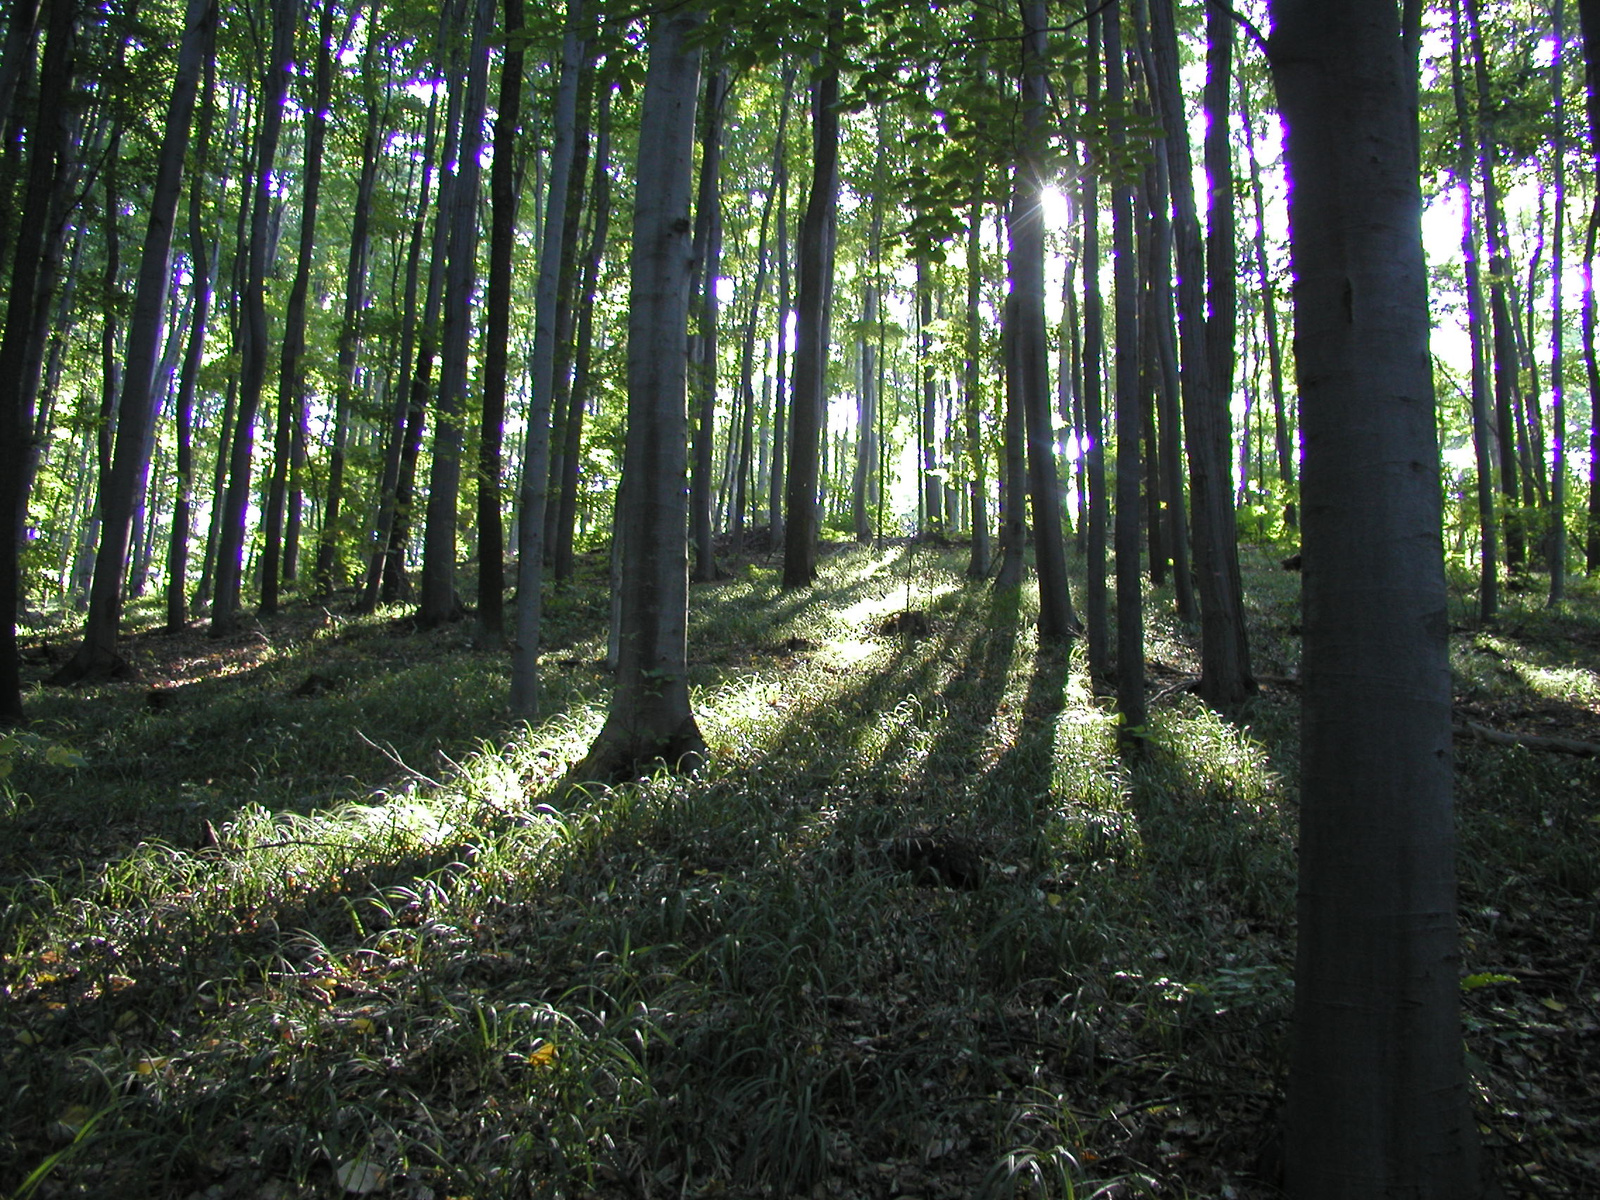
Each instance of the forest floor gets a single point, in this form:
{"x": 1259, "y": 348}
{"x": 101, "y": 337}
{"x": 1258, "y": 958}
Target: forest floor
{"x": 301, "y": 912}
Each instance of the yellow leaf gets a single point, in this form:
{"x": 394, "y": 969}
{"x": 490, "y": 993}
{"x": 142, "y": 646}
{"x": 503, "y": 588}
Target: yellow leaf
{"x": 27, "y": 1037}
{"x": 363, "y": 1025}
{"x": 149, "y": 1066}
{"x": 544, "y": 1056}
{"x": 1553, "y": 1005}
{"x": 126, "y": 1019}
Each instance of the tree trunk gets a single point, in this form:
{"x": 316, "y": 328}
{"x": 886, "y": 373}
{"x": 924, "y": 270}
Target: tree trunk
{"x": 1483, "y": 427}
{"x": 49, "y": 143}
{"x": 583, "y": 357}
{"x": 536, "y": 453}
{"x": 497, "y": 334}
{"x": 275, "y": 563}
{"x": 703, "y": 348}
{"x": 650, "y": 718}
{"x": 404, "y": 427}
{"x": 1225, "y": 679}
{"x": 439, "y": 601}
{"x": 1378, "y": 1102}
{"x": 1282, "y": 441}
{"x": 1558, "y": 392}
{"x": 809, "y": 404}
{"x": 1130, "y": 417}
{"x": 1030, "y": 354}
{"x": 1589, "y": 20}
{"x": 972, "y": 389}
{"x": 1505, "y": 351}
{"x": 1097, "y": 617}
{"x": 253, "y": 364}
{"x": 203, "y": 268}
{"x": 328, "y": 569}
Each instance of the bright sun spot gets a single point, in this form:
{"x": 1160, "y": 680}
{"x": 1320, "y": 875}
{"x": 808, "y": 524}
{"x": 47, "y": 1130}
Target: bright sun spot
{"x": 1057, "y": 209}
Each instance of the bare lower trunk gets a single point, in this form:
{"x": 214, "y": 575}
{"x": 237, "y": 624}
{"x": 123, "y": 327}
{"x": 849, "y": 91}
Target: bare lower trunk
{"x": 1378, "y": 1102}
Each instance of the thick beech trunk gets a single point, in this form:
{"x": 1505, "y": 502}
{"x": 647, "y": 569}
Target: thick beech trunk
{"x": 650, "y": 718}
{"x": 1378, "y": 1102}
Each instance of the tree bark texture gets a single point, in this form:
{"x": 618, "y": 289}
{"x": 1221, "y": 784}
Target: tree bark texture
{"x": 1378, "y": 1102}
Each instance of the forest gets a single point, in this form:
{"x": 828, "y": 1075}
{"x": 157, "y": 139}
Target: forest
{"x": 780, "y": 600}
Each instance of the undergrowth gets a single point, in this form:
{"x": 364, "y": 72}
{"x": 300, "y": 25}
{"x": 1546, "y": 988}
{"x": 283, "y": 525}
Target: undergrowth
{"x": 308, "y": 916}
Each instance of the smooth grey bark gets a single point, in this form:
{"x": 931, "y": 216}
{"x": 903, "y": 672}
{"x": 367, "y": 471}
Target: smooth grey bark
{"x": 1378, "y": 1099}
{"x": 535, "y": 484}
{"x": 650, "y": 718}
{"x": 1171, "y": 423}
{"x": 808, "y": 405}
{"x": 865, "y": 483}
{"x": 1130, "y": 416}
{"x": 439, "y": 601}
{"x": 253, "y": 322}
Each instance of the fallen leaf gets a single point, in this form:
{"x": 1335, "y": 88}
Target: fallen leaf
{"x": 360, "y": 1176}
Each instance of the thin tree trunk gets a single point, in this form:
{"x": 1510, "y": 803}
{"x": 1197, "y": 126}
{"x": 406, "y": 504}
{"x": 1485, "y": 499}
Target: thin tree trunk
{"x": 497, "y": 334}
{"x": 1484, "y": 431}
{"x": 1097, "y": 616}
{"x": 703, "y": 349}
{"x": 328, "y": 569}
{"x": 276, "y": 559}
{"x": 972, "y": 397}
{"x": 253, "y": 365}
{"x": 817, "y": 240}
{"x": 439, "y": 600}
{"x": 572, "y": 428}
{"x": 536, "y": 453}
{"x": 1558, "y": 400}
{"x": 1281, "y": 439}
{"x": 1130, "y": 417}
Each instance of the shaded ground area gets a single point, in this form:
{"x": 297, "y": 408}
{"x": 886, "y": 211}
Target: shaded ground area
{"x": 298, "y": 913}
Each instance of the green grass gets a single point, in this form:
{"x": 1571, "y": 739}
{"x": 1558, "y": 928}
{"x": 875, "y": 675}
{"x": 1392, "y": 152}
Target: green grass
{"x": 272, "y": 939}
